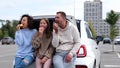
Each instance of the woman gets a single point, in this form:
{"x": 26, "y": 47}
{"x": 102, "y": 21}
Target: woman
{"x": 23, "y": 38}
{"x": 42, "y": 45}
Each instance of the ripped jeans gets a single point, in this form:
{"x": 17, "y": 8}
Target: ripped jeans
{"x": 23, "y": 62}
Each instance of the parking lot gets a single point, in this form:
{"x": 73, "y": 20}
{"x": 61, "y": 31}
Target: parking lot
{"x": 7, "y": 53}
{"x": 109, "y": 59}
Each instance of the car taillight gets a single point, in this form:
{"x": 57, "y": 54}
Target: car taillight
{"x": 82, "y": 52}
{"x": 80, "y": 66}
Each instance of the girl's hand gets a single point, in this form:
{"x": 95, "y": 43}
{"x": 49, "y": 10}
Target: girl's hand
{"x": 44, "y": 59}
{"x": 41, "y": 31}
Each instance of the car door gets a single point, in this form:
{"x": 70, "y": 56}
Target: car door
{"x": 93, "y": 43}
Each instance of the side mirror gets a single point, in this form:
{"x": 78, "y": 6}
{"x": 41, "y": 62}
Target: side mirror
{"x": 97, "y": 42}
{"x": 98, "y": 39}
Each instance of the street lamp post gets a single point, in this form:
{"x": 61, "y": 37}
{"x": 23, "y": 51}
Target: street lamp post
{"x": 74, "y": 8}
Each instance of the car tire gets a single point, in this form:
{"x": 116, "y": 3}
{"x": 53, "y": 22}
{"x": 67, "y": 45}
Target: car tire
{"x": 8, "y": 43}
{"x": 99, "y": 66}
{"x": 94, "y": 64}
{"x": 2, "y": 43}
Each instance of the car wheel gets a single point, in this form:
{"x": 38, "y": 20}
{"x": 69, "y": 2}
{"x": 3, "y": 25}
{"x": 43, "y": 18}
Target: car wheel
{"x": 8, "y": 43}
{"x": 99, "y": 66}
{"x": 94, "y": 65}
{"x": 13, "y": 42}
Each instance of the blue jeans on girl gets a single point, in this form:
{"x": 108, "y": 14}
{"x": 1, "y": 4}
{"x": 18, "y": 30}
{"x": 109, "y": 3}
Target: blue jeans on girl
{"x": 23, "y": 62}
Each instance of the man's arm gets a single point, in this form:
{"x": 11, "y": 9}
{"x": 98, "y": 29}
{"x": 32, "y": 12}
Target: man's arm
{"x": 55, "y": 40}
{"x": 76, "y": 39}
{"x": 76, "y": 45}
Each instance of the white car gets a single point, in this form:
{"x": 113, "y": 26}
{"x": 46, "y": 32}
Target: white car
{"x": 116, "y": 40}
{"x": 88, "y": 55}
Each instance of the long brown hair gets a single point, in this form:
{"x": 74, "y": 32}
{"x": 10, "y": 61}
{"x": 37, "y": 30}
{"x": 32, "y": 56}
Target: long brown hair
{"x": 47, "y": 30}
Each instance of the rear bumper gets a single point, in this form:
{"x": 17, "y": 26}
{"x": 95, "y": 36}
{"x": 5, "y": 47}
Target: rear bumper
{"x": 87, "y": 61}
{"x": 117, "y": 42}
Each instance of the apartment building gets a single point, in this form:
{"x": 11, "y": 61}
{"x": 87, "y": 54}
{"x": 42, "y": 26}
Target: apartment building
{"x": 93, "y": 13}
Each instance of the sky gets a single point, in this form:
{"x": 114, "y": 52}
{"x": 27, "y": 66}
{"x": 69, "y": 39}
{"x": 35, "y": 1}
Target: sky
{"x": 14, "y": 9}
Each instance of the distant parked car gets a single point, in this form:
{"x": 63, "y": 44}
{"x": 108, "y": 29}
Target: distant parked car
{"x": 99, "y": 38}
{"x": 116, "y": 40}
{"x": 106, "y": 40}
{"x": 7, "y": 40}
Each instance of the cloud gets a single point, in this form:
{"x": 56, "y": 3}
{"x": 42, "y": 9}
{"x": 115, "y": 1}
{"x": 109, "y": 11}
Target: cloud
{"x": 13, "y": 9}
{"x": 16, "y": 8}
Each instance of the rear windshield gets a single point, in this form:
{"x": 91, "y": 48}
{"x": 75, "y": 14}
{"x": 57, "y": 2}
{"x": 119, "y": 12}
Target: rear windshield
{"x": 37, "y": 21}
{"x": 51, "y": 20}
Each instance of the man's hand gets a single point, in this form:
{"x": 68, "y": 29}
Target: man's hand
{"x": 68, "y": 57}
{"x": 55, "y": 27}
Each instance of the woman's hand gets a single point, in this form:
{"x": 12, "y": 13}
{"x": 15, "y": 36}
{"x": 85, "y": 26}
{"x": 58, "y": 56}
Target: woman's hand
{"x": 19, "y": 26}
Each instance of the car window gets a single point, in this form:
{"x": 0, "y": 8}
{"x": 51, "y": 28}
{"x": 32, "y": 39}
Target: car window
{"x": 51, "y": 20}
{"x": 37, "y": 21}
{"x": 89, "y": 33}
{"x": 117, "y": 37}
{"x": 78, "y": 25}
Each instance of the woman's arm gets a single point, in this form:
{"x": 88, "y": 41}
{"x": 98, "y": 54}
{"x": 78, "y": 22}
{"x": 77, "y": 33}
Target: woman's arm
{"x": 19, "y": 38}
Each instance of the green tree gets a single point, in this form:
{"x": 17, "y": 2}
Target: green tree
{"x": 6, "y": 28}
{"x": 9, "y": 28}
{"x": 112, "y": 19}
{"x": 92, "y": 29}
{"x": 1, "y": 34}
{"x": 13, "y": 28}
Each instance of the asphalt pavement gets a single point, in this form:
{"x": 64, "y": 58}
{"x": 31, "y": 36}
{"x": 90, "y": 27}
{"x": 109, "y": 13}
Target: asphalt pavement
{"x": 7, "y": 53}
{"x": 109, "y": 58}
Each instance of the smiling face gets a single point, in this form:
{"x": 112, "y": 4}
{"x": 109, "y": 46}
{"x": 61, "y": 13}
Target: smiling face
{"x": 24, "y": 21}
{"x": 43, "y": 24}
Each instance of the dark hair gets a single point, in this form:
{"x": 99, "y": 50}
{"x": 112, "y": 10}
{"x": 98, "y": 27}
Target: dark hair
{"x": 63, "y": 14}
{"x": 47, "y": 30}
{"x": 30, "y": 21}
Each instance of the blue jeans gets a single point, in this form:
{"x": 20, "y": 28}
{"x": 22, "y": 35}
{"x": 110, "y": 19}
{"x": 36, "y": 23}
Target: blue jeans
{"x": 59, "y": 61}
{"x": 20, "y": 63}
